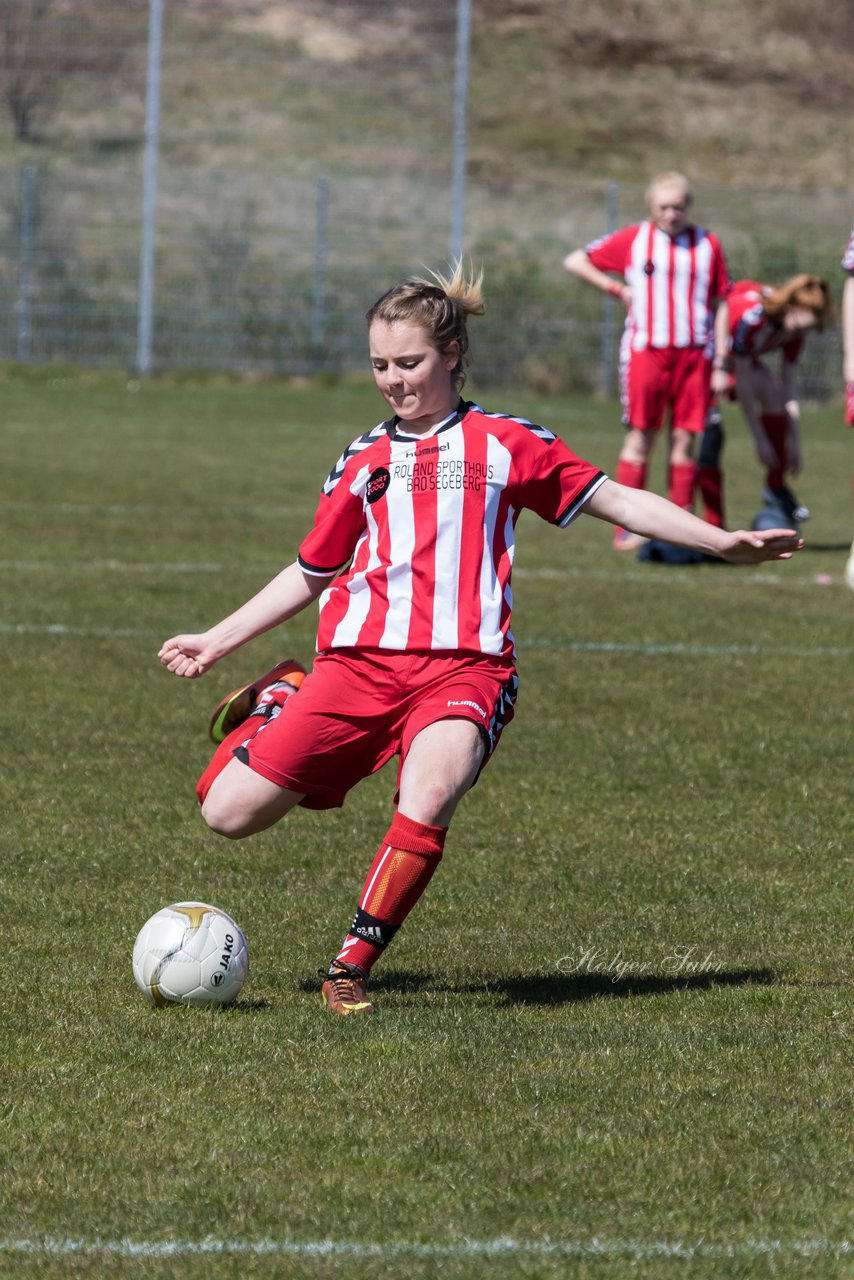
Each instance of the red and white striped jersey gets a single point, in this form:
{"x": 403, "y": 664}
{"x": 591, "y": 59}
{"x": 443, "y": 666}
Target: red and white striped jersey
{"x": 848, "y": 255}
{"x": 751, "y": 331}
{"x": 675, "y": 282}
{"x": 427, "y": 527}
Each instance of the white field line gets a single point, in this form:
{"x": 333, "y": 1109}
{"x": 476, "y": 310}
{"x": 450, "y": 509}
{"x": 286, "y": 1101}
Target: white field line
{"x": 60, "y": 629}
{"x": 125, "y": 566}
{"x": 504, "y": 1246}
{"x": 680, "y": 650}
{"x": 262, "y": 512}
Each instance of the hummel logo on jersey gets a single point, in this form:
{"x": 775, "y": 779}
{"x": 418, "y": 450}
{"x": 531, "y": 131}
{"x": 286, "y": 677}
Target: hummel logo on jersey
{"x": 436, "y": 448}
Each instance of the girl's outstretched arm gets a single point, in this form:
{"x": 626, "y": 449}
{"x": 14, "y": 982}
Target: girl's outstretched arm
{"x": 654, "y": 517}
{"x": 285, "y": 596}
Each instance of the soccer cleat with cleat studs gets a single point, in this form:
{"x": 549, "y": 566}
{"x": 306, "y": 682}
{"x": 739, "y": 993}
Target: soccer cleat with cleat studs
{"x": 241, "y": 703}
{"x": 343, "y": 989}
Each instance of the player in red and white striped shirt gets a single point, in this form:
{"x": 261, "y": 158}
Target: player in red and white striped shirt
{"x": 848, "y": 329}
{"x": 673, "y": 277}
{"x": 767, "y": 329}
{"x": 848, "y": 360}
{"x": 411, "y": 555}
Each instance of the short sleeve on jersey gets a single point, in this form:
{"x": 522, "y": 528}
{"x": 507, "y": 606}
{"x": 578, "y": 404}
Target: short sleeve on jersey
{"x": 338, "y": 524}
{"x": 612, "y": 252}
{"x": 557, "y": 483}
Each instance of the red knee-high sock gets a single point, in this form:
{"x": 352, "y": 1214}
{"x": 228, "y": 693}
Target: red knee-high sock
{"x": 399, "y": 874}
{"x": 222, "y": 755}
{"x": 680, "y": 484}
{"x": 777, "y": 429}
{"x": 710, "y": 486}
{"x": 633, "y": 476}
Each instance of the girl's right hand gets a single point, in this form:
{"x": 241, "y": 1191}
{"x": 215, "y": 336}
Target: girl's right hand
{"x": 187, "y": 655}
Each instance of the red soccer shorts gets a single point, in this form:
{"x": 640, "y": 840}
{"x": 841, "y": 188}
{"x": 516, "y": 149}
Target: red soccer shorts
{"x": 659, "y": 379}
{"x": 357, "y": 710}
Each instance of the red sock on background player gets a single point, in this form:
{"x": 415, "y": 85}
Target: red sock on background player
{"x": 633, "y": 476}
{"x": 777, "y": 429}
{"x": 682, "y": 477}
{"x": 710, "y": 487}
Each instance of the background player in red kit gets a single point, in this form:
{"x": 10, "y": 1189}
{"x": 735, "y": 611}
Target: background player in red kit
{"x": 767, "y": 324}
{"x": 674, "y": 274}
{"x": 411, "y": 554}
{"x": 848, "y": 358}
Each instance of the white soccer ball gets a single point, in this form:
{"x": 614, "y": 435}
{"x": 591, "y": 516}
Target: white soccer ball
{"x": 190, "y": 953}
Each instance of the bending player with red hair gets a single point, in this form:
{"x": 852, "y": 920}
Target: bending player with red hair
{"x": 848, "y": 358}
{"x": 767, "y": 323}
{"x": 410, "y": 554}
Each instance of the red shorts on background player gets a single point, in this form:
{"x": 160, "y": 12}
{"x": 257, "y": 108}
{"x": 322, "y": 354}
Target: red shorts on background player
{"x": 848, "y": 357}
{"x": 848, "y": 329}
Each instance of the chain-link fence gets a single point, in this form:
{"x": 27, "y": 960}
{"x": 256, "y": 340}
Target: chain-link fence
{"x": 305, "y": 161}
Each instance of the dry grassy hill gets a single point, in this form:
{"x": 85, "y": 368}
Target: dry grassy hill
{"x": 743, "y": 92}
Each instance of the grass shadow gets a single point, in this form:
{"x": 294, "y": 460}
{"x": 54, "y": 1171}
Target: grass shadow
{"x": 571, "y": 988}
{"x": 242, "y": 1005}
{"x": 562, "y": 988}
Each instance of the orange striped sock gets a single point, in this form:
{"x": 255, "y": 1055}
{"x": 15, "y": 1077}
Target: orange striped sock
{"x": 400, "y": 872}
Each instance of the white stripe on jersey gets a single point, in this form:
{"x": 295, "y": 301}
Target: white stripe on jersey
{"x": 449, "y": 526}
{"x": 682, "y": 298}
{"x": 401, "y": 528}
{"x": 500, "y": 459}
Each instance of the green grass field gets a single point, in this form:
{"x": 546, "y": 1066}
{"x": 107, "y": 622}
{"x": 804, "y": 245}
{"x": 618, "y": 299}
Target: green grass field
{"x": 614, "y": 1039}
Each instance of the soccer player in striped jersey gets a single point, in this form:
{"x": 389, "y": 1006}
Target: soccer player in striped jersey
{"x": 410, "y": 556}
{"x": 673, "y": 275}
{"x": 767, "y": 327}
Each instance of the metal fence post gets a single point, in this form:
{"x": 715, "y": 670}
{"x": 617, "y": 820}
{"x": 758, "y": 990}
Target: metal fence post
{"x": 29, "y": 221}
{"x": 461, "y": 87}
{"x": 145, "y": 318}
{"x": 609, "y": 303}
{"x": 321, "y": 240}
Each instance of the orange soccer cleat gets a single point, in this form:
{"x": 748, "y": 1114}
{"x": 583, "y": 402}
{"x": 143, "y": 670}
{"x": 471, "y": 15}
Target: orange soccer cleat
{"x": 238, "y": 705}
{"x": 343, "y": 989}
